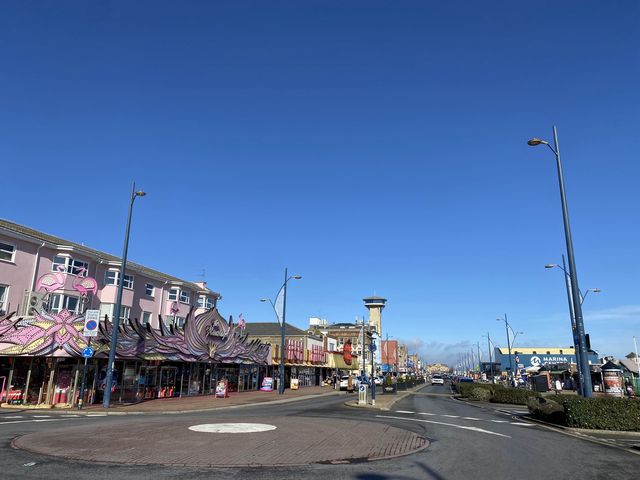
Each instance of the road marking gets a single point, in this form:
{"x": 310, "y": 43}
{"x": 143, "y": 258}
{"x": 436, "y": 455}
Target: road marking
{"x": 499, "y": 421}
{"x": 403, "y": 411}
{"x": 474, "y": 429}
{"x": 42, "y": 416}
{"x": 452, "y": 416}
{"x": 14, "y": 416}
{"x": 470, "y": 418}
{"x": 424, "y": 413}
{"x": 96, "y": 415}
{"x": 70, "y": 416}
{"x": 522, "y": 424}
{"x": 39, "y": 420}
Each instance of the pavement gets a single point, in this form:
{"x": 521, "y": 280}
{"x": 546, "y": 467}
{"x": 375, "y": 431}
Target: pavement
{"x": 205, "y": 438}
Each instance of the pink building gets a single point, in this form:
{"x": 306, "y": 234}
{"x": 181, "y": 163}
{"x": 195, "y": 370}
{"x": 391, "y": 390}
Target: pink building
{"x": 49, "y": 283}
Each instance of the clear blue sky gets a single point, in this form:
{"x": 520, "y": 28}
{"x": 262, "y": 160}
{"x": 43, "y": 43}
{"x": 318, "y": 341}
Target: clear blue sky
{"x": 372, "y": 147}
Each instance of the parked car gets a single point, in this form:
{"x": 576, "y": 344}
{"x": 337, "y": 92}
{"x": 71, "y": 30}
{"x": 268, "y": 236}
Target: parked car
{"x": 344, "y": 382}
{"x": 437, "y": 380}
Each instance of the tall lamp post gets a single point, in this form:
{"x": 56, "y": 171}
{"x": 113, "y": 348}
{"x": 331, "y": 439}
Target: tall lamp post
{"x": 115, "y": 323}
{"x": 574, "y": 331}
{"x": 577, "y": 308}
{"x": 510, "y": 341}
{"x": 490, "y": 356}
{"x": 280, "y": 309}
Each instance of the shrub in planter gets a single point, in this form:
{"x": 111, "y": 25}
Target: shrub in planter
{"x": 480, "y": 394}
{"x": 602, "y": 413}
{"x": 547, "y": 409}
{"x": 465, "y": 388}
{"x": 516, "y": 396}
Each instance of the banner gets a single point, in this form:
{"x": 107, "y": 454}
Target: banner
{"x": 267, "y": 384}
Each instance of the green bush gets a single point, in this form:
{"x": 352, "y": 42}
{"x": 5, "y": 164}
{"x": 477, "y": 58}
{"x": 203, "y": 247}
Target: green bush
{"x": 516, "y": 396}
{"x": 480, "y": 394}
{"x": 465, "y": 388}
{"x": 602, "y": 413}
{"x": 548, "y": 409}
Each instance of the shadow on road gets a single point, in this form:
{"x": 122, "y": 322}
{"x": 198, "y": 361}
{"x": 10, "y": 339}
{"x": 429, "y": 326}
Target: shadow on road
{"x": 381, "y": 476}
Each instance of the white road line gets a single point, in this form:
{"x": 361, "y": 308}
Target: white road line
{"x": 499, "y": 421}
{"x": 31, "y": 421}
{"x": 14, "y": 416}
{"x": 474, "y": 429}
{"x": 424, "y": 413}
{"x": 522, "y": 424}
{"x": 70, "y": 416}
{"x": 96, "y": 415}
{"x": 403, "y": 411}
{"x": 470, "y": 418}
{"x": 41, "y": 416}
{"x": 452, "y": 416}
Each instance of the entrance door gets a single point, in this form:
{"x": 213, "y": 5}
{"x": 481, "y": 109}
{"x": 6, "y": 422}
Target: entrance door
{"x": 147, "y": 382}
{"x": 168, "y": 376}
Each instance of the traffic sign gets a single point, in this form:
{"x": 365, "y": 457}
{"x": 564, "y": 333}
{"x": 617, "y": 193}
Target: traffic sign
{"x": 87, "y": 352}
{"x": 372, "y": 347}
{"x": 362, "y": 387}
{"x": 91, "y": 320}
{"x": 517, "y": 359}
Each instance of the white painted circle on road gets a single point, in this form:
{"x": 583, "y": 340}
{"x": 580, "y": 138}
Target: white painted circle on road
{"x": 232, "y": 427}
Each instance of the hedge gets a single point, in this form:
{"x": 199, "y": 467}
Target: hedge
{"x": 516, "y": 396}
{"x": 602, "y": 413}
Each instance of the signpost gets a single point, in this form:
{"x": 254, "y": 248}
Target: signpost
{"x": 362, "y": 394}
{"x": 87, "y": 353}
{"x": 91, "y": 320}
{"x": 372, "y": 349}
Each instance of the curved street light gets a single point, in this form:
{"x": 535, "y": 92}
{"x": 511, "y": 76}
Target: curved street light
{"x": 575, "y": 298}
{"x": 115, "y": 321}
{"x": 280, "y": 316}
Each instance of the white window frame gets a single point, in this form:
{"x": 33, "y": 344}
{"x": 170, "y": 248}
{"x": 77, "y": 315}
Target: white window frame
{"x": 125, "y": 314}
{"x": 185, "y": 297}
{"x": 146, "y": 318}
{"x": 4, "y": 295}
{"x": 174, "y": 293}
{"x": 149, "y": 287}
{"x": 60, "y": 301}
{"x": 128, "y": 279}
{"x": 204, "y": 302}
{"x": 70, "y": 264}
{"x": 4, "y": 251}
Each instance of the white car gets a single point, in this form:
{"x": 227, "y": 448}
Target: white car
{"x": 437, "y": 380}
{"x": 344, "y": 382}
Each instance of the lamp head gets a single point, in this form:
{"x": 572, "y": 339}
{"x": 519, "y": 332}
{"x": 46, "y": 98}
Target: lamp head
{"x": 264, "y": 299}
{"x": 140, "y": 193}
{"x": 297, "y": 277}
{"x": 596, "y": 290}
{"x": 550, "y": 265}
{"x": 534, "y": 142}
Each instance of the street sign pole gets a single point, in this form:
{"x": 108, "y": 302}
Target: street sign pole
{"x": 84, "y": 378}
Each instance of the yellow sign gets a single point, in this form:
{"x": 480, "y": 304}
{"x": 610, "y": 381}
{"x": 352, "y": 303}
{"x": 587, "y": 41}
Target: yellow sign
{"x": 294, "y": 384}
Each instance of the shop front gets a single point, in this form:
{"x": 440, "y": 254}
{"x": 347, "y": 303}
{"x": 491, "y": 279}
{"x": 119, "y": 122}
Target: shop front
{"x": 41, "y": 364}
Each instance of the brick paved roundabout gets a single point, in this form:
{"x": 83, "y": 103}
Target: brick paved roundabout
{"x": 294, "y": 441}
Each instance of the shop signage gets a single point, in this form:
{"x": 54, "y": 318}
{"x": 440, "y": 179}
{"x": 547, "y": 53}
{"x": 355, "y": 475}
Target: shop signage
{"x": 612, "y": 384}
{"x": 267, "y": 384}
{"x": 295, "y": 384}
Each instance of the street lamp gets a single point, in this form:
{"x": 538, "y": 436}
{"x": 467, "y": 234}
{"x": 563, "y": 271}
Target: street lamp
{"x": 116, "y": 315}
{"x": 572, "y": 263}
{"x": 574, "y": 330}
{"x": 281, "y": 301}
{"x": 507, "y": 327}
{"x": 490, "y": 356}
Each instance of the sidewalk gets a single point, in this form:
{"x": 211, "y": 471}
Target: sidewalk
{"x": 200, "y": 403}
{"x": 383, "y": 401}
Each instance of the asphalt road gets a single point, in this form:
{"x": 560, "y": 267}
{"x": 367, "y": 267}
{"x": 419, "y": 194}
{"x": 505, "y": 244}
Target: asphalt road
{"x": 465, "y": 442}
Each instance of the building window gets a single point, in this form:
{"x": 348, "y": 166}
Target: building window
{"x": 204, "y": 302}
{"x": 173, "y": 294}
{"x": 70, "y": 265}
{"x": 7, "y": 252}
{"x": 146, "y": 318}
{"x": 109, "y": 308}
{"x": 60, "y": 302}
{"x": 111, "y": 278}
{"x": 174, "y": 320}
{"x": 184, "y": 297}
{"x": 4, "y": 294}
{"x": 149, "y": 290}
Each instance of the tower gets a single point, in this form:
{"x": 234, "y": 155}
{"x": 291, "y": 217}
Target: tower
{"x": 375, "y": 305}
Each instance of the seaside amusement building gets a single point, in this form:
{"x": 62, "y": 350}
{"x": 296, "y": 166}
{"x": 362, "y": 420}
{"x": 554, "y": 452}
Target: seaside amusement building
{"x": 172, "y": 340}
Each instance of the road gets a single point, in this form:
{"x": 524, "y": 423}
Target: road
{"x": 464, "y": 442}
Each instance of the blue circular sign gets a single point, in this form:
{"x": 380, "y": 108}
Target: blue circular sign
{"x": 87, "y": 352}
{"x": 91, "y": 325}
{"x": 372, "y": 347}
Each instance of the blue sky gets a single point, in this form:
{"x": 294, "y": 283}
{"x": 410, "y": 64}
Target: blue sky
{"x": 372, "y": 147}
